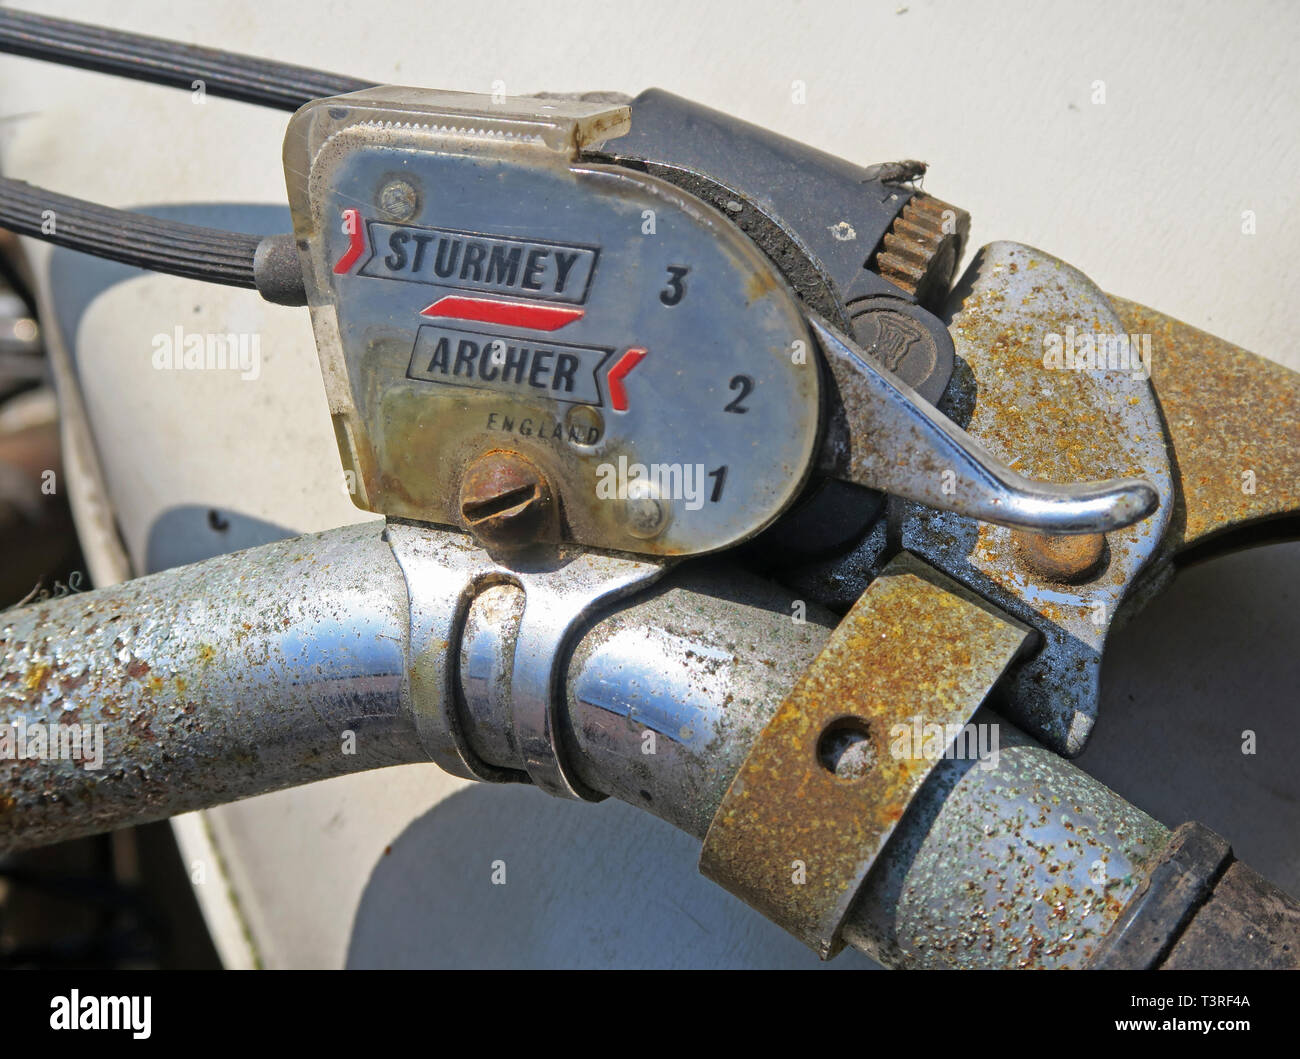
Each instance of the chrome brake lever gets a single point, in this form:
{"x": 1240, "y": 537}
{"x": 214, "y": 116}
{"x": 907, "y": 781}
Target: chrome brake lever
{"x": 900, "y": 444}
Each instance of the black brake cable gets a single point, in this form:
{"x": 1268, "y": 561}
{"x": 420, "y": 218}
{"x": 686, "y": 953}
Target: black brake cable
{"x": 131, "y": 238}
{"x": 220, "y": 73}
{"x": 268, "y": 264}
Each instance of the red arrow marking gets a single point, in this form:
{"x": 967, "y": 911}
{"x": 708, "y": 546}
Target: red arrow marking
{"x": 356, "y": 244}
{"x": 624, "y": 364}
{"x": 511, "y": 314}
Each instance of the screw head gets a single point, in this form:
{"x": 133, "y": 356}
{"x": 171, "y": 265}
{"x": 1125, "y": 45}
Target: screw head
{"x": 506, "y": 501}
{"x": 584, "y": 425}
{"x": 399, "y": 199}
{"x": 645, "y": 515}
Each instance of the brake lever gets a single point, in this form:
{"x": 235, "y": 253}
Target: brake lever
{"x": 901, "y": 445}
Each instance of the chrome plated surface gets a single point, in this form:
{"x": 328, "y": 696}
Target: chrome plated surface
{"x": 444, "y": 571}
{"x": 1020, "y": 861}
{"x": 242, "y": 674}
{"x": 1026, "y": 865}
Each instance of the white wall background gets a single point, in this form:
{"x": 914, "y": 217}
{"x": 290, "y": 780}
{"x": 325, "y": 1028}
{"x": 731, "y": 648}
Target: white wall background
{"x": 1144, "y": 192}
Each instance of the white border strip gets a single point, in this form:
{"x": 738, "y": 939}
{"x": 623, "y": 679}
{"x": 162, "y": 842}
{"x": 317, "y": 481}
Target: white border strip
{"x": 216, "y": 900}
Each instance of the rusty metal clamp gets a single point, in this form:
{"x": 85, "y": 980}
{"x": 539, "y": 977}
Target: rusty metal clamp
{"x": 832, "y": 774}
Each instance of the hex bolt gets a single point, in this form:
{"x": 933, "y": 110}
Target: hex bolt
{"x": 1068, "y": 559}
{"x": 399, "y": 200}
{"x": 506, "y": 501}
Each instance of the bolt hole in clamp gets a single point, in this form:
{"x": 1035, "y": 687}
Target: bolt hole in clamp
{"x": 504, "y": 325}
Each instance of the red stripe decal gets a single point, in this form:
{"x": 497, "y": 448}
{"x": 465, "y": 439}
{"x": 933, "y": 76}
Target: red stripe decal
{"x": 511, "y": 314}
{"x": 356, "y": 244}
{"x": 624, "y": 364}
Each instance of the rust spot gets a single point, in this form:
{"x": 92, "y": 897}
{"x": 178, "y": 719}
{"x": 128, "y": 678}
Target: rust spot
{"x": 1065, "y": 559}
{"x": 759, "y": 285}
{"x": 36, "y": 677}
{"x": 789, "y": 812}
{"x": 1228, "y": 412}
